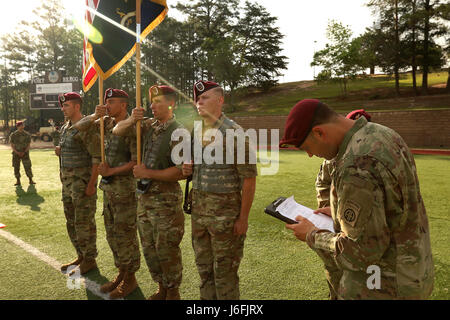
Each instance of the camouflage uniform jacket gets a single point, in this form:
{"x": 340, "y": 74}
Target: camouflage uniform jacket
{"x": 125, "y": 182}
{"x": 379, "y": 217}
{"x": 323, "y": 184}
{"x": 158, "y": 129}
{"x": 20, "y": 140}
{"x": 218, "y": 178}
{"x": 88, "y": 140}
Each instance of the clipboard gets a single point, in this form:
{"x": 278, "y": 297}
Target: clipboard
{"x": 271, "y": 209}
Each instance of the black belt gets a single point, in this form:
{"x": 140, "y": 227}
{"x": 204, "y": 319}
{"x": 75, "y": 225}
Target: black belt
{"x": 187, "y": 205}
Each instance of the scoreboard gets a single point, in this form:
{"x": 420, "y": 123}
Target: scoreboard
{"x": 44, "y": 91}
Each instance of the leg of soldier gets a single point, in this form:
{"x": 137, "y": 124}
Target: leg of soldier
{"x": 146, "y": 232}
{"x": 27, "y": 165}
{"x": 227, "y": 248}
{"x": 69, "y": 212}
{"x": 85, "y": 226}
{"x": 201, "y": 243}
{"x": 16, "y": 165}
{"x": 108, "y": 219}
{"x": 169, "y": 222}
{"x": 228, "y": 252}
{"x": 125, "y": 231}
{"x": 220, "y": 213}
{"x": 332, "y": 273}
{"x": 161, "y": 228}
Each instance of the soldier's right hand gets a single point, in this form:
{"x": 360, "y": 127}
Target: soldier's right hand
{"x": 58, "y": 150}
{"x": 100, "y": 111}
{"x": 137, "y": 114}
{"x": 324, "y": 210}
{"x": 187, "y": 169}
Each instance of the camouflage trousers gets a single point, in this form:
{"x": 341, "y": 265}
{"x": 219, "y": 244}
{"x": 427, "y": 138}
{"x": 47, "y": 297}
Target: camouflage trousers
{"x": 119, "y": 215}
{"x": 333, "y": 273}
{"x": 161, "y": 229}
{"x": 218, "y": 252}
{"x": 26, "y": 161}
{"x": 79, "y": 210}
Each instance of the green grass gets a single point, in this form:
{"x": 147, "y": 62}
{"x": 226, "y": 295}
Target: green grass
{"x": 36, "y": 217}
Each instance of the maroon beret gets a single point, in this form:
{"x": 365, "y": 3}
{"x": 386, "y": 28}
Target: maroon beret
{"x": 114, "y": 93}
{"x": 202, "y": 86}
{"x": 156, "y": 91}
{"x": 360, "y": 112}
{"x": 298, "y": 122}
{"x": 63, "y": 97}
{"x": 19, "y": 123}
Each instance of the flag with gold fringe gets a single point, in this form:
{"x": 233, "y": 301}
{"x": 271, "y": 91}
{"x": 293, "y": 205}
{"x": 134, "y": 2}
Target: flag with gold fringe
{"x": 115, "y": 22}
{"x": 89, "y": 73}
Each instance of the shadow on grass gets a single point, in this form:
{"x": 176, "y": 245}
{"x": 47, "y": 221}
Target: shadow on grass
{"x": 29, "y": 198}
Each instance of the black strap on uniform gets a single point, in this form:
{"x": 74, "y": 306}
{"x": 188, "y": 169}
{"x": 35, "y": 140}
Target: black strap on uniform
{"x": 187, "y": 205}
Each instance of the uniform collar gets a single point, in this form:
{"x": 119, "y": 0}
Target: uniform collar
{"x": 361, "y": 122}
{"x": 218, "y": 122}
{"x": 163, "y": 126}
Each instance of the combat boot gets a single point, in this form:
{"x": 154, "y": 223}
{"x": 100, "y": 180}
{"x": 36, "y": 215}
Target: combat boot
{"x": 31, "y": 181}
{"x": 173, "y": 294}
{"x": 160, "y": 294}
{"x": 126, "y": 286}
{"x": 17, "y": 182}
{"x": 85, "y": 266}
{"x": 111, "y": 285}
{"x": 76, "y": 262}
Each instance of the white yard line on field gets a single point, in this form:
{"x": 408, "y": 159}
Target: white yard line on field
{"x": 90, "y": 285}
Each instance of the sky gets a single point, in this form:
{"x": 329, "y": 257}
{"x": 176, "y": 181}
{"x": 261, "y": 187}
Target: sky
{"x": 303, "y": 22}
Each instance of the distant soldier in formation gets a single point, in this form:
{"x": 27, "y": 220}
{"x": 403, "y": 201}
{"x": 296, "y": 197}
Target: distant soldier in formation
{"x": 375, "y": 202}
{"x": 20, "y": 144}
{"x": 160, "y": 217}
{"x": 118, "y": 185}
{"x": 222, "y": 195}
{"x": 79, "y": 154}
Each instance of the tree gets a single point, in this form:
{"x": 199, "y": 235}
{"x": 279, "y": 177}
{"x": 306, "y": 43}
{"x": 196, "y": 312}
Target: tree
{"x": 340, "y": 56}
{"x": 368, "y": 43}
{"x": 212, "y": 21}
{"x": 389, "y": 22}
{"x": 260, "y": 46}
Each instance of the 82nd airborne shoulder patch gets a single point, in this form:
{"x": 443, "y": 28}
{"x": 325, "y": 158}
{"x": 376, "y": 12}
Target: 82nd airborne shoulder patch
{"x": 351, "y": 212}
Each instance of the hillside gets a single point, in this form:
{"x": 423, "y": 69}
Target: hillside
{"x": 372, "y": 93}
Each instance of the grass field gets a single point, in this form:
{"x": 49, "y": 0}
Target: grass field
{"x": 275, "y": 264}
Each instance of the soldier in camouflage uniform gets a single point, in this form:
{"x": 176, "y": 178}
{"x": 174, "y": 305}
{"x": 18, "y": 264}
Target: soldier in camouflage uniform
{"x": 323, "y": 185}
{"x": 222, "y": 195}
{"x": 79, "y": 154}
{"x": 379, "y": 216}
{"x": 20, "y": 144}
{"x": 160, "y": 217}
{"x": 118, "y": 185}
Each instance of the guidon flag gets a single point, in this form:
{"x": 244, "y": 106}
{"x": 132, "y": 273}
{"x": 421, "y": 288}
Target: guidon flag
{"x": 115, "y": 21}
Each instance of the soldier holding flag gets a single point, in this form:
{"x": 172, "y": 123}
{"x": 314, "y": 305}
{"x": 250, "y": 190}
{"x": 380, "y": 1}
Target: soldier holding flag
{"x": 160, "y": 217}
{"x": 118, "y": 185}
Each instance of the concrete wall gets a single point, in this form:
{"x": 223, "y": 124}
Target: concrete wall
{"x": 422, "y": 129}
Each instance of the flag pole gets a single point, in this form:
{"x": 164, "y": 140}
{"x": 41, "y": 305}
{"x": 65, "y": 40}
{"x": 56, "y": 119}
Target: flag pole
{"x": 138, "y": 77}
{"x": 102, "y": 125}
